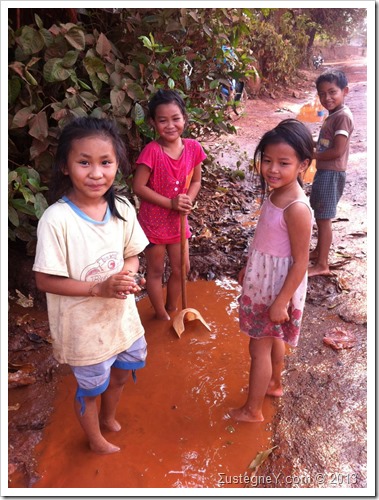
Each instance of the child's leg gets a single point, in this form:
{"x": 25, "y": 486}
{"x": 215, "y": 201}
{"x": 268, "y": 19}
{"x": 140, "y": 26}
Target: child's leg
{"x": 174, "y": 282}
{"x": 90, "y": 424}
{"x": 260, "y": 376}
{"x": 155, "y": 266}
{"x": 325, "y": 237}
{"x": 275, "y": 387}
{"x": 110, "y": 399}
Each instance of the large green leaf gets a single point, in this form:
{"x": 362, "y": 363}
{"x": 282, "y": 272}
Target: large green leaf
{"x": 75, "y": 37}
{"x": 37, "y": 148}
{"x": 103, "y": 46}
{"x": 30, "y": 40}
{"x": 93, "y": 64}
{"x": 13, "y": 216}
{"x": 88, "y": 98}
{"x": 117, "y": 98}
{"x": 40, "y": 205}
{"x": 70, "y": 58}
{"x": 96, "y": 83}
{"x": 170, "y": 83}
{"x": 27, "y": 194}
{"x": 12, "y": 176}
{"x": 54, "y": 71}
{"x": 38, "y": 126}
{"x": 30, "y": 78}
{"x": 138, "y": 114}
{"x": 135, "y": 92}
{"x": 22, "y": 117}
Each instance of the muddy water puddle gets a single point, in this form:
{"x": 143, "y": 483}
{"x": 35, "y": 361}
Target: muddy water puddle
{"x": 176, "y": 432}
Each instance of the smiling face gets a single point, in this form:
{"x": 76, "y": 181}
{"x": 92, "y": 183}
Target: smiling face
{"x": 280, "y": 165}
{"x": 331, "y": 96}
{"x": 92, "y": 167}
{"x": 169, "y": 122}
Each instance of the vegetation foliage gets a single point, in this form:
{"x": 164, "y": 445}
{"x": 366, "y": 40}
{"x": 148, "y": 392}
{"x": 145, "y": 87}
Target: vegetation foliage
{"x": 108, "y": 62}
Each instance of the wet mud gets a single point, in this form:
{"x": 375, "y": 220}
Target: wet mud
{"x": 176, "y": 431}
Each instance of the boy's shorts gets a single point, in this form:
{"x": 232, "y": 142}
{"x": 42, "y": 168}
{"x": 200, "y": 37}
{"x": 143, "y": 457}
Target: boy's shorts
{"x": 327, "y": 189}
{"x": 94, "y": 379}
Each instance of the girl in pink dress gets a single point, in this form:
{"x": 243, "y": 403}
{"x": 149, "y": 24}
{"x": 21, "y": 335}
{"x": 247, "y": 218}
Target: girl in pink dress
{"x": 274, "y": 281}
{"x": 167, "y": 180}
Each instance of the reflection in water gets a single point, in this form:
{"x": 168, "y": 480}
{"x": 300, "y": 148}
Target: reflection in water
{"x": 176, "y": 431}
{"x": 310, "y": 113}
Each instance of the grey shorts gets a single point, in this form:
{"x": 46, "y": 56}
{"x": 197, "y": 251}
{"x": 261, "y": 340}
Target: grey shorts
{"x": 94, "y": 379}
{"x": 327, "y": 189}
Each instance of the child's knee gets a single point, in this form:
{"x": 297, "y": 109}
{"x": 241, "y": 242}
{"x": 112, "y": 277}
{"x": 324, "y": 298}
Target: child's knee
{"x": 118, "y": 377}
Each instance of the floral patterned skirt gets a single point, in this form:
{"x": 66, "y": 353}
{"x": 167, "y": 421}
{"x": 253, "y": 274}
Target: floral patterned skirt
{"x": 264, "y": 278}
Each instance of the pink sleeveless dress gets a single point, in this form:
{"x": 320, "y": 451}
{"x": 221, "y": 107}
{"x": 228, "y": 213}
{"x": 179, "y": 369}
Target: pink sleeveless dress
{"x": 269, "y": 260}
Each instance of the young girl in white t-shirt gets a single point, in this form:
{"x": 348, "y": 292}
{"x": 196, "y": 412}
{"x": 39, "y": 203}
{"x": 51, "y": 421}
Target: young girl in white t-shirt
{"x": 88, "y": 243}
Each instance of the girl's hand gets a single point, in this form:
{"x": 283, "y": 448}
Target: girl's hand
{"x": 182, "y": 203}
{"x": 278, "y": 313}
{"x": 241, "y": 276}
{"x": 120, "y": 285}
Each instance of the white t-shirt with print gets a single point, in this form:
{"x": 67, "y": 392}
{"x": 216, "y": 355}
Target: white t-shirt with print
{"x": 88, "y": 330}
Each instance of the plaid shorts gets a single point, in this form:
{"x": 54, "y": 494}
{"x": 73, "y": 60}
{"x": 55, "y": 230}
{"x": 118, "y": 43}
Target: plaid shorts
{"x": 327, "y": 189}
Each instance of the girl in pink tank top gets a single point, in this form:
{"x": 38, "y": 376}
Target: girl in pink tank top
{"x": 274, "y": 281}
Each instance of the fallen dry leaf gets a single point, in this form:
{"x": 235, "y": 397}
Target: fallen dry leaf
{"x": 23, "y": 300}
{"x": 339, "y": 339}
{"x": 14, "y": 407}
{"x": 19, "y": 379}
{"x": 257, "y": 462}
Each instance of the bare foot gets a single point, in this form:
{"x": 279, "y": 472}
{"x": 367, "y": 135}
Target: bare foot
{"x": 318, "y": 270}
{"x": 162, "y": 317}
{"x": 244, "y": 415}
{"x": 275, "y": 390}
{"x": 103, "y": 447}
{"x": 110, "y": 425}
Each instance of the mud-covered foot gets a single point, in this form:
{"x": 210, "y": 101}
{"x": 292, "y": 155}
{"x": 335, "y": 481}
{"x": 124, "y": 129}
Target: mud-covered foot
{"x": 103, "y": 447}
{"x": 275, "y": 390}
{"x": 110, "y": 425}
{"x": 244, "y": 415}
{"x": 162, "y": 317}
{"x": 318, "y": 270}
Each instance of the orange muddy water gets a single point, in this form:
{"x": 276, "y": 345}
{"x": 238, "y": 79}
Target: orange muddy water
{"x": 176, "y": 431}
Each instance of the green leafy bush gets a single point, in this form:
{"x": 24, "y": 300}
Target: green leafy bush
{"x": 108, "y": 66}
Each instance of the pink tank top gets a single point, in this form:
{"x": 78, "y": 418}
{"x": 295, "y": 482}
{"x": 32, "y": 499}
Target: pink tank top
{"x": 271, "y": 234}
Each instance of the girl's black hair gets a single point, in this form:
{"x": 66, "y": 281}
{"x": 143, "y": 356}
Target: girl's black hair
{"x": 81, "y": 128}
{"x": 292, "y": 132}
{"x": 166, "y": 97}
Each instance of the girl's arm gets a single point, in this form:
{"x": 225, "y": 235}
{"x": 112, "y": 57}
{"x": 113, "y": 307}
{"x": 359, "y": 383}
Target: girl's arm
{"x": 140, "y": 180}
{"x": 299, "y": 223}
{"x": 195, "y": 185}
{"x": 118, "y": 285}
